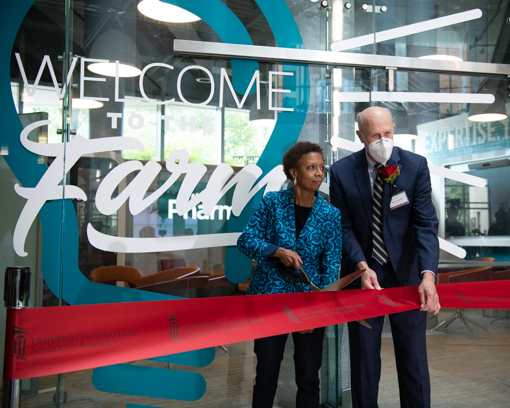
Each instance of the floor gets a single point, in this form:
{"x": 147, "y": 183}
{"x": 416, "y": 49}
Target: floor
{"x": 466, "y": 371}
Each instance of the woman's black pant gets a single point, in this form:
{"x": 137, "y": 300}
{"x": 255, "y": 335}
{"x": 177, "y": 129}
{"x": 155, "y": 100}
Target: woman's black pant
{"x": 307, "y": 362}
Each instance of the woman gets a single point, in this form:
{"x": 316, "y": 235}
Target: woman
{"x": 291, "y": 227}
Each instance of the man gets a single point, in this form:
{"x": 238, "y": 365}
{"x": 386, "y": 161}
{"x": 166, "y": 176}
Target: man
{"x": 452, "y": 226}
{"x": 403, "y": 250}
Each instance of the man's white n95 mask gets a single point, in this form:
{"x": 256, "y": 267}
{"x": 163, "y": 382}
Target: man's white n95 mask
{"x": 381, "y": 149}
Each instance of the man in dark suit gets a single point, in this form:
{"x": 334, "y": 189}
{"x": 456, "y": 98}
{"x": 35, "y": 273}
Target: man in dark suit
{"x": 393, "y": 236}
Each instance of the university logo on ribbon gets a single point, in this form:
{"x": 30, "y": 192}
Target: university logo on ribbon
{"x": 20, "y": 342}
{"x": 388, "y": 301}
{"x": 290, "y": 314}
{"x": 461, "y": 297}
{"x": 174, "y": 327}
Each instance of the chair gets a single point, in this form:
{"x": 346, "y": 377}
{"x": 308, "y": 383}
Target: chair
{"x": 216, "y": 276}
{"x": 217, "y": 280}
{"x": 444, "y": 277}
{"x": 172, "y": 263}
{"x": 168, "y": 275}
{"x": 116, "y": 273}
{"x": 483, "y": 274}
{"x": 496, "y": 276}
{"x": 243, "y": 286}
{"x": 185, "y": 287}
{"x": 501, "y": 275}
{"x": 466, "y": 275}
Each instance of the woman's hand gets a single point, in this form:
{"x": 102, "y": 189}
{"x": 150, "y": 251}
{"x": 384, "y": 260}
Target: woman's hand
{"x": 288, "y": 257}
{"x": 305, "y": 331}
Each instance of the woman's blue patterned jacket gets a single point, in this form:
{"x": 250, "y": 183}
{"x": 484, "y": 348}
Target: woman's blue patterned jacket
{"x": 273, "y": 225}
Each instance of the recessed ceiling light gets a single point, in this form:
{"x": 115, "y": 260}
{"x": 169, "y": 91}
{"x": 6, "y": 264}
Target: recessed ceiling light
{"x": 487, "y": 117}
{"x": 407, "y": 136}
{"x": 441, "y": 57}
{"x": 109, "y": 69}
{"x": 169, "y": 13}
{"x": 78, "y": 103}
{"x": 111, "y": 46}
{"x": 264, "y": 123}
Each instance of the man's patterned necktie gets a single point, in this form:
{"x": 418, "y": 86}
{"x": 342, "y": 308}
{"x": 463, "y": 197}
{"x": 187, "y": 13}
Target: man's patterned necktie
{"x": 379, "y": 249}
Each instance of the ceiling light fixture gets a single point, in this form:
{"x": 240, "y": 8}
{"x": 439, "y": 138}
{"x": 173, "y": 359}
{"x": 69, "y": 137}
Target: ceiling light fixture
{"x": 262, "y": 117}
{"x": 109, "y": 69}
{"x": 441, "y": 57}
{"x": 78, "y": 103}
{"x": 487, "y": 117}
{"x": 407, "y": 136}
{"x": 494, "y": 112}
{"x": 268, "y": 123}
{"x": 159, "y": 10}
{"x": 405, "y": 128}
{"x": 115, "y": 45}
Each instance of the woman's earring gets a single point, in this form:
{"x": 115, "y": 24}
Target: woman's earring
{"x": 294, "y": 181}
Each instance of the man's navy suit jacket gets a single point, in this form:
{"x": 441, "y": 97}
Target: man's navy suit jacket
{"x": 410, "y": 231}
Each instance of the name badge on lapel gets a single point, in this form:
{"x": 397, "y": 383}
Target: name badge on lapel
{"x": 398, "y": 200}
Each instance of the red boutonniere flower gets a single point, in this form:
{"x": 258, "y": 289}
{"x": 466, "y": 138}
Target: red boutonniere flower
{"x": 389, "y": 173}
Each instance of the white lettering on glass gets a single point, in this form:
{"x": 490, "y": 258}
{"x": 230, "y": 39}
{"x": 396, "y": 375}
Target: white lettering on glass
{"x": 115, "y": 116}
{"x": 179, "y": 81}
{"x": 219, "y": 212}
{"x": 273, "y": 90}
{"x": 83, "y": 78}
{"x": 117, "y": 69}
{"x": 136, "y": 192}
{"x": 186, "y": 201}
{"x": 49, "y": 186}
{"x": 135, "y": 121}
{"x": 142, "y": 75}
{"x": 224, "y": 78}
{"x": 166, "y": 119}
{"x": 46, "y": 60}
{"x": 185, "y": 123}
{"x": 208, "y": 124}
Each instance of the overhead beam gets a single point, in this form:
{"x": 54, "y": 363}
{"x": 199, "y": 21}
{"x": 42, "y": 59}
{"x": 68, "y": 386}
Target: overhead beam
{"x": 335, "y": 59}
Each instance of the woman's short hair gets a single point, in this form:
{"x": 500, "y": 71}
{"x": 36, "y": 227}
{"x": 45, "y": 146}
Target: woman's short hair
{"x": 293, "y": 155}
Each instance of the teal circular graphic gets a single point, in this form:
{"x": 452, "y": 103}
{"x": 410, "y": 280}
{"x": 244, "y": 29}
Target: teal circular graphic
{"x": 60, "y": 238}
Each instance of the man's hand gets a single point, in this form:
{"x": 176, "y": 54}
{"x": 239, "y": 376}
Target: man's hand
{"x": 288, "y": 257}
{"x": 369, "y": 277}
{"x": 428, "y": 294}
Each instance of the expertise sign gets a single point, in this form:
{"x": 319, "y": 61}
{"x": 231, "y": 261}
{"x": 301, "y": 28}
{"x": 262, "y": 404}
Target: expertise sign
{"x": 456, "y": 136}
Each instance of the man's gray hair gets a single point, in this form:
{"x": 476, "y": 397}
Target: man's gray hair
{"x": 359, "y": 116}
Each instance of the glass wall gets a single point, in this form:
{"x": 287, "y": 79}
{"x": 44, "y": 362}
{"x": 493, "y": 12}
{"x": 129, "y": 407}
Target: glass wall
{"x": 137, "y": 133}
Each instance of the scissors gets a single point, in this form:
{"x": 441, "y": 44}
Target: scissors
{"x": 337, "y": 285}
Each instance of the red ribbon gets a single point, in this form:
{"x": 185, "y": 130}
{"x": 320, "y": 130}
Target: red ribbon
{"x": 51, "y": 340}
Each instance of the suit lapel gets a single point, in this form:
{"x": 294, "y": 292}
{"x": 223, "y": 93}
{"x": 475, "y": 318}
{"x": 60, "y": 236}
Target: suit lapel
{"x": 363, "y": 183}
